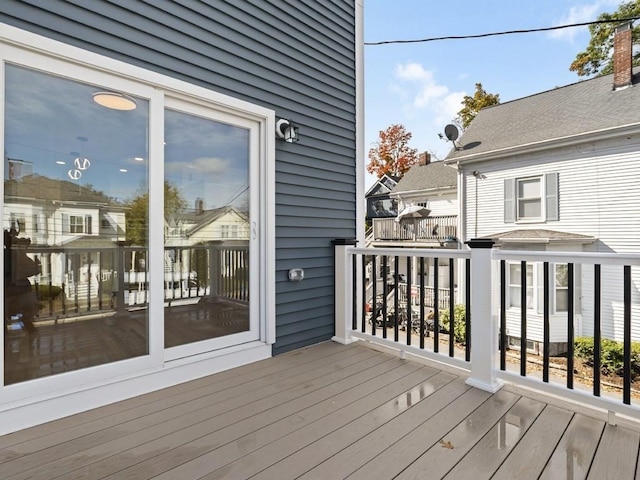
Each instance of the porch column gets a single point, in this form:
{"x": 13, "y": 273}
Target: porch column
{"x": 345, "y": 297}
{"x": 484, "y": 328}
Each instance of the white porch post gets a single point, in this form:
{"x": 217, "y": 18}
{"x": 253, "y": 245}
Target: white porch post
{"x": 344, "y": 293}
{"x": 484, "y": 328}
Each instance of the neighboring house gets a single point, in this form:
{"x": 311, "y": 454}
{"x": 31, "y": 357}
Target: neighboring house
{"x": 558, "y": 171}
{"x": 239, "y": 103}
{"x": 379, "y": 202}
{"x": 432, "y": 186}
{"x": 54, "y": 213}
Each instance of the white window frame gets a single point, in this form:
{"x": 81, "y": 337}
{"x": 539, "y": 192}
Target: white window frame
{"x": 537, "y": 288}
{"x": 520, "y": 218}
{"x": 549, "y": 198}
{"x": 25, "y": 49}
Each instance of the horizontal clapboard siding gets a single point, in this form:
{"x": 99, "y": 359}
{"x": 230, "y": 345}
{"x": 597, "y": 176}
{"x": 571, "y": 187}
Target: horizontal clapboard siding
{"x": 295, "y": 57}
{"x": 598, "y": 196}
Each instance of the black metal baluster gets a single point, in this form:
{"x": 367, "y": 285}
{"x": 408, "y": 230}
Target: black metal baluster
{"x": 503, "y": 315}
{"x": 409, "y": 316}
{"x": 396, "y": 300}
{"x": 570, "y": 330}
{"x": 363, "y": 320}
{"x": 467, "y": 310}
{"x": 422, "y": 326}
{"x": 436, "y": 308}
{"x": 626, "y": 374}
{"x": 452, "y": 322}
{"x": 374, "y": 296}
{"x": 596, "y": 331}
{"x": 545, "y": 332}
{"x": 523, "y": 318}
{"x": 385, "y": 293}
{"x": 354, "y": 290}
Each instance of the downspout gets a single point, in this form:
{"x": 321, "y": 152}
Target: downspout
{"x": 359, "y": 66}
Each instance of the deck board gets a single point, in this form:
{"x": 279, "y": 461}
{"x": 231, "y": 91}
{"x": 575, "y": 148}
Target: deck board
{"x": 617, "y": 455}
{"x": 442, "y": 457}
{"x": 328, "y": 411}
{"x": 530, "y": 456}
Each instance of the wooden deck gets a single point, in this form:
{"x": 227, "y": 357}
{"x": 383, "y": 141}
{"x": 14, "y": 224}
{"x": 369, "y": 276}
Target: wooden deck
{"x": 325, "y": 412}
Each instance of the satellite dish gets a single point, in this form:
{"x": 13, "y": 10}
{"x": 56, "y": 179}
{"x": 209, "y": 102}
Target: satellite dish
{"x": 451, "y": 132}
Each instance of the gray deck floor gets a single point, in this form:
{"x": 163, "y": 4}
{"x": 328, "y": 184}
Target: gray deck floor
{"x": 325, "y": 412}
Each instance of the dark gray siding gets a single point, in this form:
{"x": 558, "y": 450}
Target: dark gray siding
{"x": 294, "y": 56}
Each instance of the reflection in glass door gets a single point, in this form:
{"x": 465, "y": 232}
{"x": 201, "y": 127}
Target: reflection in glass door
{"x": 75, "y": 171}
{"x": 206, "y": 229}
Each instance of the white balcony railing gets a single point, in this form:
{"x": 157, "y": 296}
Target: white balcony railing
{"x": 437, "y": 228}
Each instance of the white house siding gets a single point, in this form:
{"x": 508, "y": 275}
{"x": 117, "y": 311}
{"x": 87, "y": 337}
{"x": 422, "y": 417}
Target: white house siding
{"x": 598, "y": 196}
{"x": 445, "y": 204}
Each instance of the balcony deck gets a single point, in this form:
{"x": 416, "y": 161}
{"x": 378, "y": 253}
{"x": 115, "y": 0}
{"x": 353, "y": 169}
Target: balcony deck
{"x": 329, "y": 411}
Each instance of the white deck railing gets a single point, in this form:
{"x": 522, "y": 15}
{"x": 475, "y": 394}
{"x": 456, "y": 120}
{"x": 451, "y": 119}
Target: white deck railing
{"x": 604, "y": 302}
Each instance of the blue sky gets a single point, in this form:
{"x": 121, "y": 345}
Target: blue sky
{"x": 421, "y": 85}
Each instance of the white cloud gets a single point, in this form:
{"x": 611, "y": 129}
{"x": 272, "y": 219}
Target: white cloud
{"x": 420, "y": 91}
{"x": 580, "y": 14}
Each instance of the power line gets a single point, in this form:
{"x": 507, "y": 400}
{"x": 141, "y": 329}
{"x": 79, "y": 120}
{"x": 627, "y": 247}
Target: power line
{"x": 508, "y": 32}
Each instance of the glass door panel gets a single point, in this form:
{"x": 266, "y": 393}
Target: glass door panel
{"x": 75, "y": 223}
{"x": 207, "y": 228}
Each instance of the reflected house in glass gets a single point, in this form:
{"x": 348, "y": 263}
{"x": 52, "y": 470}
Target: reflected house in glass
{"x": 59, "y": 217}
{"x": 218, "y": 229}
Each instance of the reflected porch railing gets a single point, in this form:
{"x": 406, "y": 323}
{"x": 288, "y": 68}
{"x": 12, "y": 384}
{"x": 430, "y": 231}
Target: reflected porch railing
{"x": 78, "y": 281}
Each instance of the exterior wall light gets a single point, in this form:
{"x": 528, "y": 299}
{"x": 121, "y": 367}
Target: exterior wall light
{"x": 296, "y": 275}
{"x": 115, "y": 100}
{"x": 287, "y": 130}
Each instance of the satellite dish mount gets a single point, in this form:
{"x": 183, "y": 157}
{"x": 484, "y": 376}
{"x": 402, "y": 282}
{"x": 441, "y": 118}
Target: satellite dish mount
{"x": 451, "y": 132}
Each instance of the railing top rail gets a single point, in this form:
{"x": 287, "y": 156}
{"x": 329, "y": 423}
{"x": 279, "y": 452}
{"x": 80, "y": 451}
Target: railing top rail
{"x": 589, "y": 258}
{"x": 411, "y": 252}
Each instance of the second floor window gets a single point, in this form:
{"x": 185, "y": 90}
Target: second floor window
{"x": 77, "y": 224}
{"x": 529, "y": 206}
{"x": 531, "y": 199}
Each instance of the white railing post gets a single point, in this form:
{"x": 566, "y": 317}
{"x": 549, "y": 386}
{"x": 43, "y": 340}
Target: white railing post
{"x": 484, "y": 328}
{"x": 344, "y": 297}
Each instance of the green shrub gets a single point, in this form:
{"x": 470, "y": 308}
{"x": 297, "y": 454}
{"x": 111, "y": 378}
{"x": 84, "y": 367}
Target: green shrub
{"x": 46, "y": 292}
{"x": 459, "y": 322}
{"x": 611, "y": 355}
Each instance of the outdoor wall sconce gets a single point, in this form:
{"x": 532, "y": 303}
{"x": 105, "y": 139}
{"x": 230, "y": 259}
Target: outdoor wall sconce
{"x": 115, "y": 100}
{"x": 287, "y": 130}
{"x": 296, "y": 274}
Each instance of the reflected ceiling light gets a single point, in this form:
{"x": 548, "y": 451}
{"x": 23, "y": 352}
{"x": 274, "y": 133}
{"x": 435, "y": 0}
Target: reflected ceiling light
{"x": 61, "y": 162}
{"x": 138, "y": 159}
{"x": 115, "y": 100}
{"x": 123, "y": 170}
{"x": 287, "y": 130}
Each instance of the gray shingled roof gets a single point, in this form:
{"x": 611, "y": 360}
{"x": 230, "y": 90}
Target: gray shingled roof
{"x": 426, "y": 177}
{"x": 539, "y": 235}
{"x": 587, "y": 106}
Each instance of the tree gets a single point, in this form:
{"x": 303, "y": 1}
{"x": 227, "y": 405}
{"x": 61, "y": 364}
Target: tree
{"x": 391, "y": 154}
{"x": 472, "y": 105}
{"x": 597, "y": 56}
{"x": 137, "y": 216}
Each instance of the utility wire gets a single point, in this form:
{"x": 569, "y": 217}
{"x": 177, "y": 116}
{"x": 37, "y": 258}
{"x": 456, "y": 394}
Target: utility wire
{"x": 509, "y": 32}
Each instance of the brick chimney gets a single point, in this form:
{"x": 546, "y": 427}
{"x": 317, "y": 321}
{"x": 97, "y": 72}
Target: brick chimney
{"x": 622, "y": 56}
{"x": 424, "y": 158}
